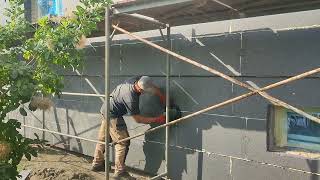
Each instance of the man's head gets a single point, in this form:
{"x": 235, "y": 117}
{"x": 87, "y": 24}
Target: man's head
{"x": 144, "y": 84}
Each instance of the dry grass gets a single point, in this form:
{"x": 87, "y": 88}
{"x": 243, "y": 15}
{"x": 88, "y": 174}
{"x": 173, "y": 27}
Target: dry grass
{"x": 43, "y": 103}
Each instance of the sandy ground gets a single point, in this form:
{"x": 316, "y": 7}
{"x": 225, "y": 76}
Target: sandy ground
{"x": 57, "y": 164}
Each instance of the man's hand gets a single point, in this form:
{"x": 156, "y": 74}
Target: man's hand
{"x": 161, "y": 119}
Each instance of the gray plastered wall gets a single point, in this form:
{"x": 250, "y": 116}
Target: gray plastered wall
{"x": 226, "y": 143}
{"x": 3, "y": 4}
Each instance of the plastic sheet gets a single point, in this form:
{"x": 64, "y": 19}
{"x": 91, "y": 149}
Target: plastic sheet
{"x": 50, "y": 7}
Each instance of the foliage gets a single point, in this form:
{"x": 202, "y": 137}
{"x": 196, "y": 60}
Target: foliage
{"x": 29, "y": 58}
{"x": 17, "y": 146}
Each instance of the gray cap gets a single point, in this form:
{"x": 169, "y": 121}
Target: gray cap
{"x": 145, "y": 83}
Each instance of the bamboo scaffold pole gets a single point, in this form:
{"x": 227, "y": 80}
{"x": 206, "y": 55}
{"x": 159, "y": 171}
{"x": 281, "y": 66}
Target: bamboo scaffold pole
{"x": 224, "y": 76}
{"x": 62, "y": 134}
{"x": 238, "y": 98}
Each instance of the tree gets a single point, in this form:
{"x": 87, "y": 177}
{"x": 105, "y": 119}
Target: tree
{"x": 30, "y": 55}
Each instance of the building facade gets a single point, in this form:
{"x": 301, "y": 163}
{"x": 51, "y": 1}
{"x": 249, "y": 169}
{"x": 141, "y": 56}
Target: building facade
{"x": 227, "y": 143}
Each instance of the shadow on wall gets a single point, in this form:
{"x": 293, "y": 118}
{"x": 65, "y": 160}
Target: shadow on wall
{"x": 154, "y": 149}
{"x": 314, "y": 166}
{"x": 221, "y": 52}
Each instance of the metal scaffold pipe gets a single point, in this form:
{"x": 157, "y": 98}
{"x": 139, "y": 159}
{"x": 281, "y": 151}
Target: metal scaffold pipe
{"x": 168, "y": 67}
{"x": 107, "y": 88}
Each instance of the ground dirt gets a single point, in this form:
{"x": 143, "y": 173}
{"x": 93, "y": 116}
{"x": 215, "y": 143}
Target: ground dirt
{"x": 52, "y": 164}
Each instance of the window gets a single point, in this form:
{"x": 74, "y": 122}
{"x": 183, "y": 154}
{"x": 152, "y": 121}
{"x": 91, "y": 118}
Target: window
{"x": 35, "y": 9}
{"x": 50, "y": 7}
{"x": 288, "y": 131}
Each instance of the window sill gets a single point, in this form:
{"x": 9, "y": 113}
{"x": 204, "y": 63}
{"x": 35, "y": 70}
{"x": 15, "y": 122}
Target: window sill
{"x": 302, "y": 154}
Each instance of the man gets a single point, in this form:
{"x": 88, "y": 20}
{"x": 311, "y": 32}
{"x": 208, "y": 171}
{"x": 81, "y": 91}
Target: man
{"x": 124, "y": 100}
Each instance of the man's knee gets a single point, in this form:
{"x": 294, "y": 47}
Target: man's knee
{"x": 122, "y": 147}
{"x": 123, "y": 134}
{"x": 125, "y": 143}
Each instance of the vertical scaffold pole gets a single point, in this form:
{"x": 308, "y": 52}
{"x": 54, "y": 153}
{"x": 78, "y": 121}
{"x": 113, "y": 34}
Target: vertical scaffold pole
{"x": 107, "y": 88}
{"x": 168, "y": 100}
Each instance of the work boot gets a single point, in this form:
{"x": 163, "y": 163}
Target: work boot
{"x": 122, "y": 175}
{"x": 98, "y": 167}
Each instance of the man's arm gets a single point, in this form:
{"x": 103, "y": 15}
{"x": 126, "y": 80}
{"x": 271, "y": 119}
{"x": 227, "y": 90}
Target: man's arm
{"x": 147, "y": 120}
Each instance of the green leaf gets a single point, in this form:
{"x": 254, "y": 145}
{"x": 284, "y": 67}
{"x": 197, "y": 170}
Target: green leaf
{"x": 14, "y": 74}
{"x": 46, "y": 56}
{"x": 80, "y": 10}
{"x": 34, "y": 153}
{"x": 23, "y": 112}
{"x": 28, "y": 156}
{"x": 27, "y": 55}
{"x": 43, "y": 21}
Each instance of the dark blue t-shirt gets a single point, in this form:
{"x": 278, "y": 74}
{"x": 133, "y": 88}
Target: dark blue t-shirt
{"x": 123, "y": 99}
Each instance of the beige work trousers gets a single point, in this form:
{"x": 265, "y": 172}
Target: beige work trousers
{"x": 118, "y": 131}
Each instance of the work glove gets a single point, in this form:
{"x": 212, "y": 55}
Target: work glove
{"x": 161, "y": 119}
